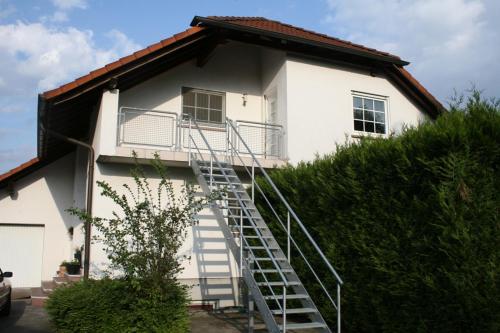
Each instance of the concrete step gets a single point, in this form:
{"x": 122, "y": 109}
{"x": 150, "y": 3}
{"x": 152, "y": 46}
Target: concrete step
{"x": 38, "y": 297}
{"x": 58, "y": 280}
{"x": 48, "y": 286}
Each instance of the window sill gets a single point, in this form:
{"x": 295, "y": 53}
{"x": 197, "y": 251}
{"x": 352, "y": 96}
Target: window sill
{"x": 367, "y": 135}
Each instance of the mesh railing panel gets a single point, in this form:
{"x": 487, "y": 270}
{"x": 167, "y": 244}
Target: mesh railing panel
{"x": 216, "y": 138}
{"x": 147, "y": 128}
{"x": 263, "y": 140}
{"x": 161, "y": 129}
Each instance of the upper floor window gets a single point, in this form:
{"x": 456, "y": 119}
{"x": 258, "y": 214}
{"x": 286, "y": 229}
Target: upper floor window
{"x": 369, "y": 114}
{"x": 203, "y": 105}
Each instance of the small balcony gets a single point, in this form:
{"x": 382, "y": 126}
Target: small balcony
{"x": 150, "y": 131}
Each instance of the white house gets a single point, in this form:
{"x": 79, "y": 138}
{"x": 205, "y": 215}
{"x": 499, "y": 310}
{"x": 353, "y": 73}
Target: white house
{"x": 289, "y": 93}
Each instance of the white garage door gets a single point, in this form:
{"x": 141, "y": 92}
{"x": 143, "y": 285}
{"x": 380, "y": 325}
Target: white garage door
{"x": 21, "y": 248}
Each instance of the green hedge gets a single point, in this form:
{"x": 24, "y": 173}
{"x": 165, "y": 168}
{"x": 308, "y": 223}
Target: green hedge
{"x": 117, "y": 306}
{"x": 410, "y": 222}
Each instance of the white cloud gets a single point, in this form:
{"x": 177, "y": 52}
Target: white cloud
{"x": 449, "y": 42}
{"x": 70, "y": 4}
{"x": 35, "y": 58}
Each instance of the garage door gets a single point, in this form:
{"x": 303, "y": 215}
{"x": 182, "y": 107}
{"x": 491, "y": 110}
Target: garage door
{"x": 21, "y": 248}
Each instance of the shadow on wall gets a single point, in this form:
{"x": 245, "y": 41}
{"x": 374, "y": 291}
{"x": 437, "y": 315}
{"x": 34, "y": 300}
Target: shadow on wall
{"x": 212, "y": 276}
{"x": 233, "y": 68}
{"x": 218, "y": 283}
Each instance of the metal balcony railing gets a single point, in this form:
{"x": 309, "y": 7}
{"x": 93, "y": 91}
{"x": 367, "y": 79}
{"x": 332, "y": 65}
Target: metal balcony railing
{"x": 138, "y": 127}
{"x": 145, "y": 127}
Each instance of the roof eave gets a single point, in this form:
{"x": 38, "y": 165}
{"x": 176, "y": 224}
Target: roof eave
{"x": 236, "y": 27}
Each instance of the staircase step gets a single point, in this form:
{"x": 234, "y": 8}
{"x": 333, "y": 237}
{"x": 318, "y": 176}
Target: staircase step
{"x": 236, "y": 227}
{"x": 224, "y": 183}
{"x": 303, "y": 326}
{"x": 215, "y": 168}
{"x": 272, "y": 270}
{"x": 236, "y": 199}
{"x": 38, "y": 297}
{"x": 48, "y": 286}
{"x": 269, "y": 259}
{"x": 220, "y": 175}
{"x": 277, "y": 283}
{"x": 245, "y": 217}
{"x": 291, "y": 296}
{"x": 202, "y": 162}
{"x": 237, "y": 208}
{"x": 257, "y": 247}
{"x": 223, "y": 176}
{"x": 295, "y": 311}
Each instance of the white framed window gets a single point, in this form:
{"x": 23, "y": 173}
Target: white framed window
{"x": 369, "y": 113}
{"x": 204, "y": 105}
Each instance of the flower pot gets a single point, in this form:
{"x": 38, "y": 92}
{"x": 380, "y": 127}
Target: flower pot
{"x": 62, "y": 271}
{"x": 73, "y": 269}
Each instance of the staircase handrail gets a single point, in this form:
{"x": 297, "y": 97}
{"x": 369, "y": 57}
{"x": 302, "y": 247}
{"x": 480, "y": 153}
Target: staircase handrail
{"x": 285, "y": 202}
{"x": 214, "y": 156}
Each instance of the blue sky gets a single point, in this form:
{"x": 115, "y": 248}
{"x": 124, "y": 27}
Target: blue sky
{"x": 450, "y": 43}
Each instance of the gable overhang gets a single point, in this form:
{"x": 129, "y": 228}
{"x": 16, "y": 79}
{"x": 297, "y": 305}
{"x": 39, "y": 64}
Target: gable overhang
{"x": 344, "y": 54}
{"x": 71, "y": 109}
{"x": 285, "y": 38}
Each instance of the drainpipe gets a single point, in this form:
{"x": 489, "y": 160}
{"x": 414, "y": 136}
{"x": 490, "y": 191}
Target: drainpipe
{"x": 90, "y": 183}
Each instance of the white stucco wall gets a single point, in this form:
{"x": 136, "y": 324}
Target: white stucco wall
{"x": 42, "y": 198}
{"x": 210, "y": 261}
{"x": 105, "y": 135}
{"x": 319, "y": 106}
{"x": 233, "y": 68}
{"x": 314, "y": 107}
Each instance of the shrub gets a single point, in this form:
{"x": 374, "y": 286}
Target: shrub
{"x": 410, "y": 222}
{"x": 142, "y": 241}
{"x": 117, "y": 306}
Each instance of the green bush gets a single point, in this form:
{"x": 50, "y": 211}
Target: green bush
{"x": 142, "y": 241}
{"x": 410, "y": 222}
{"x": 117, "y": 306}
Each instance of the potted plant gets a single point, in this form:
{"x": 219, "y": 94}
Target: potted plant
{"x": 62, "y": 270}
{"x": 72, "y": 267}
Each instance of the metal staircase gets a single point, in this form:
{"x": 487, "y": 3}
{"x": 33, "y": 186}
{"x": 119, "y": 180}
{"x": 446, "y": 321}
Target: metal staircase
{"x": 269, "y": 276}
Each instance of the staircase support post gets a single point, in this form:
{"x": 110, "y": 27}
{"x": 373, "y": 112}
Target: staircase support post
{"x": 189, "y": 143}
{"x": 211, "y": 172}
{"x": 241, "y": 242}
{"x": 284, "y": 309}
{"x": 251, "y": 321}
{"x": 288, "y": 236}
{"x": 338, "y": 308}
{"x": 253, "y": 181}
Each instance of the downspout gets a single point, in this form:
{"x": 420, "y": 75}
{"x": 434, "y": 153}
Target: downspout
{"x": 90, "y": 182}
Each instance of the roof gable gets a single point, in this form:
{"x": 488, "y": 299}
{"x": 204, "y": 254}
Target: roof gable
{"x": 64, "y": 109}
{"x": 265, "y": 25}
{"x": 120, "y": 63}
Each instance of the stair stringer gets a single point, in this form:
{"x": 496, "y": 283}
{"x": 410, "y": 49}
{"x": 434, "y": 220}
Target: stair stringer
{"x": 261, "y": 303}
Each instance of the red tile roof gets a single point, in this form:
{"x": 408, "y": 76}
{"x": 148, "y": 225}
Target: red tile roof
{"x": 259, "y": 23}
{"x": 264, "y": 24}
{"x": 20, "y": 168}
{"x": 418, "y": 86}
{"x": 254, "y": 24}
{"x": 120, "y": 62}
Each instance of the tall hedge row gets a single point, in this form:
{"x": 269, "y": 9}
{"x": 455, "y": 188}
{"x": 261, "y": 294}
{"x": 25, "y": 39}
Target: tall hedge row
{"x": 410, "y": 223}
